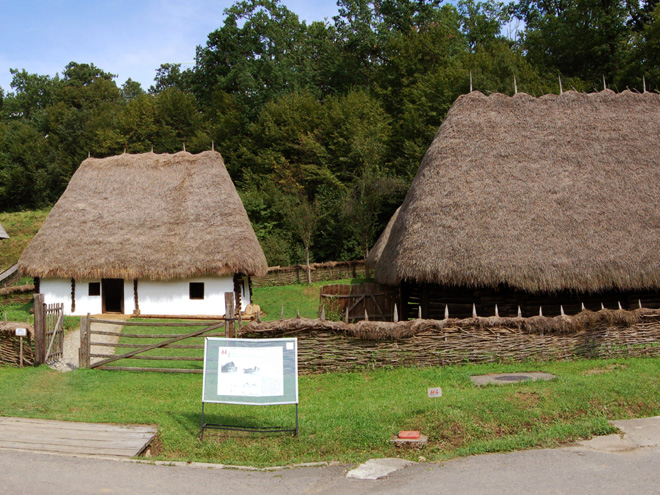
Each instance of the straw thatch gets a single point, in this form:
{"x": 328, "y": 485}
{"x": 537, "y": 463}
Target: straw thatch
{"x": 538, "y": 194}
{"x": 147, "y": 216}
{"x": 3, "y": 233}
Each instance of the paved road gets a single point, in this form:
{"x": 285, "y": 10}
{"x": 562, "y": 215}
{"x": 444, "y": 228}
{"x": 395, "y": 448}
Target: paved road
{"x": 569, "y": 470}
{"x": 606, "y": 465}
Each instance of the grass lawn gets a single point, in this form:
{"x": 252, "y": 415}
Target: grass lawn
{"x": 346, "y": 417}
{"x": 350, "y": 417}
{"x": 293, "y": 297}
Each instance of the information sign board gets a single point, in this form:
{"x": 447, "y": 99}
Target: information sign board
{"x": 21, "y": 332}
{"x": 260, "y": 372}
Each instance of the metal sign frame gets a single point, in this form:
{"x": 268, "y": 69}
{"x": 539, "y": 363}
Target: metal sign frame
{"x": 259, "y": 372}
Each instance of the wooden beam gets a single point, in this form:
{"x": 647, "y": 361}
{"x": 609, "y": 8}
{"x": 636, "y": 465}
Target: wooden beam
{"x": 39, "y": 330}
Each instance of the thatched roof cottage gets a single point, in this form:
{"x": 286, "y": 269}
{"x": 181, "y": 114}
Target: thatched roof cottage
{"x": 531, "y": 202}
{"x": 146, "y": 234}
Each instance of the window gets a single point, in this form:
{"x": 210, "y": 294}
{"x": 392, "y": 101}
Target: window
{"x": 94, "y": 289}
{"x": 196, "y": 290}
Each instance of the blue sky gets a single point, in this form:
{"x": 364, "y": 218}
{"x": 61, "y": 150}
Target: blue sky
{"x": 123, "y": 37}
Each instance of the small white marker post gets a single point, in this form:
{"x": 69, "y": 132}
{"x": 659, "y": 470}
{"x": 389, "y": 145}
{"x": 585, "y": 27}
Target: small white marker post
{"x": 434, "y": 393}
{"x": 20, "y": 333}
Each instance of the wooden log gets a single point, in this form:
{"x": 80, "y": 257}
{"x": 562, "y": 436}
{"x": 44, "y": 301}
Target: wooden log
{"x": 39, "y": 330}
{"x": 229, "y": 314}
{"x": 168, "y": 358}
{"x": 83, "y": 352}
{"x": 130, "y": 323}
{"x": 158, "y": 370}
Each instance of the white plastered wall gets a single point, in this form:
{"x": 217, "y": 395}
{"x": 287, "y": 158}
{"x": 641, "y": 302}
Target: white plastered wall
{"x": 58, "y": 290}
{"x": 158, "y": 297}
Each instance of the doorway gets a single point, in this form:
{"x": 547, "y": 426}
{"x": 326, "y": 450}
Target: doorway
{"x": 112, "y": 291}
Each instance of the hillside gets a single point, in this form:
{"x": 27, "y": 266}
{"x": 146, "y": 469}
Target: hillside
{"x": 21, "y": 227}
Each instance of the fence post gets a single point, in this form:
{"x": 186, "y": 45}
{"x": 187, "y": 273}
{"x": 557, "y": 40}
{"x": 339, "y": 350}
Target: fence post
{"x": 39, "y": 330}
{"x": 83, "y": 352}
{"x": 229, "y": 314}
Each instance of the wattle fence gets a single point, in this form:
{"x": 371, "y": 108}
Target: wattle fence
{"x": 325, "y": 346}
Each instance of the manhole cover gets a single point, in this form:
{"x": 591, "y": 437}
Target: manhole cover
{"x": 513, "y": 378}
{"x": 504, "y": 378}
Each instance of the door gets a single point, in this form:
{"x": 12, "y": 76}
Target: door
{"x": 112, "y": 291}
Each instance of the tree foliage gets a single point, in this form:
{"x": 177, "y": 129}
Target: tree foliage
{"x": 322, "y": 125}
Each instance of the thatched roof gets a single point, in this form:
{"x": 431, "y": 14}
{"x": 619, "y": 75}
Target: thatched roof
{"x": 3, "y": 233}
{"x": 146, "y": 216}
{"x": 540, "y": 194}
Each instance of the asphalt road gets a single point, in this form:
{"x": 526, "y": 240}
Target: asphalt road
{"x": 567, "y": 470}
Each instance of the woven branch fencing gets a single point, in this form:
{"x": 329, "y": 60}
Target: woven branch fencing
{"x": 11, "y": 348}
{"x": 325, "y": 346}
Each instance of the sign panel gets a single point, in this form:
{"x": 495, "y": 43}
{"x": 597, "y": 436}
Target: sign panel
{"x": 21, "y": 332}
{"x": 435, "y": 392}
{"x": 251, "y": 371}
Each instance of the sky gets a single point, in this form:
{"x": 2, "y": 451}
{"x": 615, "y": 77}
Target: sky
{"x": 129, "y": 38}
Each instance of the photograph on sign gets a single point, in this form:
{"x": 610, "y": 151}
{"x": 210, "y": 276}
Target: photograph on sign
{"x": 250, "y": 371}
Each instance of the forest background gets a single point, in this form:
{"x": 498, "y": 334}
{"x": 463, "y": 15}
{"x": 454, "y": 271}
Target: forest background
{"x": 323, "y": 125}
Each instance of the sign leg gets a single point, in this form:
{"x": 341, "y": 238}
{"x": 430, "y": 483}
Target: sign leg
{"x": 201, "y": 433}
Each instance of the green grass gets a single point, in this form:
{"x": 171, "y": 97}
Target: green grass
{"x": 293, "y": 298}
{"x": 21, "y": 227}
{"x": 350, "y": 417}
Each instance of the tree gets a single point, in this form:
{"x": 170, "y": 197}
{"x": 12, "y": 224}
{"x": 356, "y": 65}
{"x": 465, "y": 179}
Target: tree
{"x": 482, "y": 22}
{"x": 131, "y": 89}
{"x": 171, "y": 76}
{"x": 302, "y": 217}
{"x": 369, "y": 205}
{"x": 255, "y": 56}
{"x": 588, "y": 39}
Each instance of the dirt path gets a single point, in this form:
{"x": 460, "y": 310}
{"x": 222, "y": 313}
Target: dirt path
{"x": 70, "y": 360}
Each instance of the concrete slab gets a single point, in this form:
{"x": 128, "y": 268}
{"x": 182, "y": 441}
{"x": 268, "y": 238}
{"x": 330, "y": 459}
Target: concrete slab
{"x": 417, "y": 443}
{"x": 609, "y": 443}
{"x": 643, "y": 432}
{"x": 375, "y": 469}
{"x": 635, "y": 433}
{"x": 504, "y": 378}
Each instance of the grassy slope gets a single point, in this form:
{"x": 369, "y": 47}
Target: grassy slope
{"x": 350, "y": 417}
{"x": 21, "y": 226}
{"x": 293, "y": 298}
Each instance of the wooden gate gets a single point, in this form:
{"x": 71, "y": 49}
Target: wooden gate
{"x": 351, "y": 302}
{"x": 151, "y": 343}
{"x": 48, "y": 331}
{"x": 54, "y": 332}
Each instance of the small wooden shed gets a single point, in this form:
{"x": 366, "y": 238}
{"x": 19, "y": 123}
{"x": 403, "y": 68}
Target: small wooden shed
{"x": 148, "y": 233}
{"x": 531, "y": 202}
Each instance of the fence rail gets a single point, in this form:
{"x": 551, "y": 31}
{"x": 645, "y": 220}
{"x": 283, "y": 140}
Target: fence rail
{"x": 296, "y": 274}
{"x": 357, "y": 302}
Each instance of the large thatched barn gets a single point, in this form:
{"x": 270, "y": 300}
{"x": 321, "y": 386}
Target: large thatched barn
{"x": 146, "y": 234}
{"x": 531, "y": 202}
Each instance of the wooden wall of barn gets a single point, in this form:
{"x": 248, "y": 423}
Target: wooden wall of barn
{"x": 459, "y": 301}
